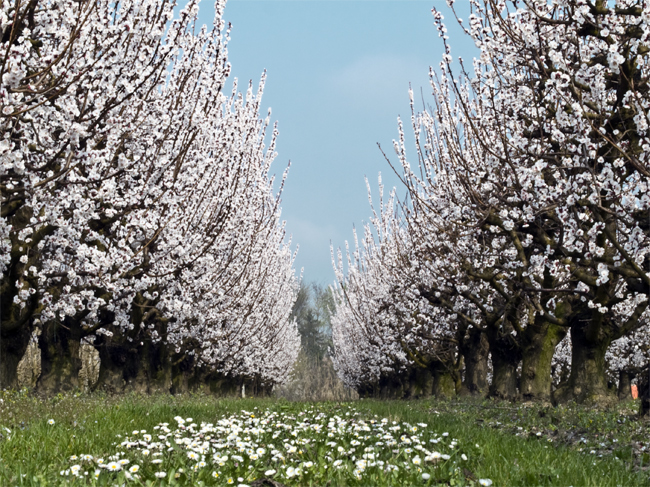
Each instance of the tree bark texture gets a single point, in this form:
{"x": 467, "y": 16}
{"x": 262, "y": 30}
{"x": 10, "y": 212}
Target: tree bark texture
{"x": 624, "y": 386}
{"x": 588, "y": 381}
{"x": 475, "y": 353}
{"x": 539, "y": 342}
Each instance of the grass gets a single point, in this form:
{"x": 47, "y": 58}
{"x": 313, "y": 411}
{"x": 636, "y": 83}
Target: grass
{"x": 524, "y": 445}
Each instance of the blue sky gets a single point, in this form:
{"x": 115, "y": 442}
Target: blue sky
{"x": 338, "y": 73}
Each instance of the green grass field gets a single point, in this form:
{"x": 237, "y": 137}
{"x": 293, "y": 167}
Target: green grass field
{"x": 202, "y": 440}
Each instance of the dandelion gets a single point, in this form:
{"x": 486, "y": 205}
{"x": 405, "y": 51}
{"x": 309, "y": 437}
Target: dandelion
{"x": 160, "y": 475}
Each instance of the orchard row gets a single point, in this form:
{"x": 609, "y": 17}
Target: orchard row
{"x": 521, "y": 255}
{"x": 137, "y": 201}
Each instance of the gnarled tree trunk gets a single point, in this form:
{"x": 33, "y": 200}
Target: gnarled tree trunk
{"x": 538, "y": 345}
{"x": 475, "y": 352}
{"x": 506, "y": 355}
{"x": 504, "y": 377}
{"x": 624, "y": 386}
{"x": 588, "y": 381}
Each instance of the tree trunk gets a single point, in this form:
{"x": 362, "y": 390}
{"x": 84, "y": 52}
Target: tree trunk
{"x": 506, "y": 355}
{"x": 504, "y": 377}
{"x": 60, "y": 358}
{"x": 444, "y": 385}
{"x": 13, "y": 345}
{"x": 421, "y": 383}
{"x": 588, "y": 381}
{"x": 539, "y": 342}
{"x": 475, "y": 352}
{"x": 643, "y": 382}
{"x": 624, "y": 386}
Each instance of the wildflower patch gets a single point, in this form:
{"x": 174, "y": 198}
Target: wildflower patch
{"x": 308, "y": 447}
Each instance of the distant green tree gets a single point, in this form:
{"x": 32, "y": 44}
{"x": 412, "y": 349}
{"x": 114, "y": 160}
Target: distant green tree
{"x": 312, "y": 310}
{"x": 313, "y": 377}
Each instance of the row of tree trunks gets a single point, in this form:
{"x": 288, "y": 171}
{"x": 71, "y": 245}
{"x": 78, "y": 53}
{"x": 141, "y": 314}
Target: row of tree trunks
{"x": 135, "y": 366}
{"x": 436, "y": 380}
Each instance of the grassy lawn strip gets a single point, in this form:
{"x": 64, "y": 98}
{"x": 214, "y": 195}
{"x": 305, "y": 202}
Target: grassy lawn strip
{"x": 516, "y": 445}
{"x": 35, "y": 452}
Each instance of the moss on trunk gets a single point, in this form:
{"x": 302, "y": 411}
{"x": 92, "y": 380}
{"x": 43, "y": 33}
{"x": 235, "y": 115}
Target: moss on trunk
{"x": 539, "y": 342}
